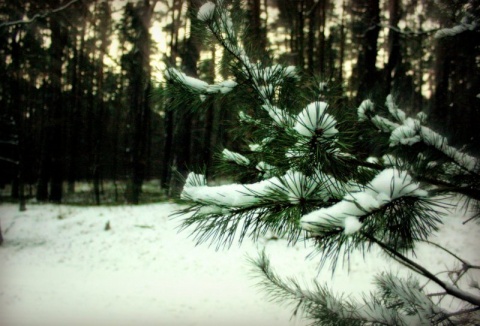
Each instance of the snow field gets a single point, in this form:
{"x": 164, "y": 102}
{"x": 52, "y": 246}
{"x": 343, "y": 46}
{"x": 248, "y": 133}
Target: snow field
{"x": 59, "y": 266}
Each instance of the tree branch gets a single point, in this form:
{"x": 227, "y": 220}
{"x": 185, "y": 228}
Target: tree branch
{"x": 408, "y": 33}
{"x": 6, "y": 159}
{"x": 450, "y": 289}
{"x": 36, "y": 16}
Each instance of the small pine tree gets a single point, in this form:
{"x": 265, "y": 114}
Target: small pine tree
{"x": 306, "y": 171}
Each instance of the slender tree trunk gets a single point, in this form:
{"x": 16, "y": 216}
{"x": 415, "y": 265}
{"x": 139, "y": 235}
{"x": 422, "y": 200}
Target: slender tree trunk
{"x": 184, "y": 123}
{"x": 300, "y": 37}
{"x": 57, "y": 166}
{"x": 256, "y": 32}
{"x": 1, "y": 235}
{"x": 73, "y": 132}
{"x": 342, "y": 46}
{"x": 52, "y": 152}
{"x": 100, "y": 102}
{"x": 368, "y": 53}
{"x": 322, "y": 38}
{"x": 140, "y": 104}
{"x": 169, "y": 121}
{"x": 312, "y": 17}
{"x": 394, "y": 53}
{"x": 209, "y": 139}
{"x": 18, "y": 105}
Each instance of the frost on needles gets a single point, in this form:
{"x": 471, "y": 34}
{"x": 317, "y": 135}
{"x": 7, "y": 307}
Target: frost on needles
{"x": 307, "y": 183}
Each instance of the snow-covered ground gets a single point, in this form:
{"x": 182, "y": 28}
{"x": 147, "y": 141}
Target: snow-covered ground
{"x": 59, "y": 266}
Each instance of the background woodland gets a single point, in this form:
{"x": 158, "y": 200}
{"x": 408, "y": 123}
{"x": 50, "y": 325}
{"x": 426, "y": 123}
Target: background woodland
{"x": 82, "y": 97}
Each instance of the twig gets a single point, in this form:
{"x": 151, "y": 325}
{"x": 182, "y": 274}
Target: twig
{"x": 450, "y": 289}
{"x": 36, "y": 16}
{"x": 412, "y": 33}
{"x": 458, "y": 313}
{"x": 6, "y": 159}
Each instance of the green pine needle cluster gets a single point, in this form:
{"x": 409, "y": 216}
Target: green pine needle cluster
{"x": 307, "y": 167}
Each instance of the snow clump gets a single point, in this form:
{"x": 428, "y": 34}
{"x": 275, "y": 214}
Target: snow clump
{"x": 388, "y": 185}
{"x": 206, "y": 11}
{"x": 235, "y": 157}
{"x": 314, "y": 120}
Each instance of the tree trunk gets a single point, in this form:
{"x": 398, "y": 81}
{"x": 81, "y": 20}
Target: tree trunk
{"x": 368, "y": 52}
{"x": 139, "y": 101}
{"x": 342, "y": 47}
{"x": 394, "y": 53}
{"x": 18, "y": 189}
{"x": 56, "y": 105}
{"x": 169, "y": 121}
{"x": 300, "y": 34}
{"x": 183, "y": 121}
{"x": 255, "y": 31}
{"x": 1, "y": 235}
{"x": 51, "y": 165}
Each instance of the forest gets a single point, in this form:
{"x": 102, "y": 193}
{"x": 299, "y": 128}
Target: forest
{"x": 84, "y": 100}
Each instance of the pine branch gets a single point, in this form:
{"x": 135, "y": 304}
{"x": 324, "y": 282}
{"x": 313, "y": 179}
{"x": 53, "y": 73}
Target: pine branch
{"x": 463, "y": 295}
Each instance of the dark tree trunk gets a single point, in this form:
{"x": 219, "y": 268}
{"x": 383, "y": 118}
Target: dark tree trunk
{"x": 300, "y": 34}
{"x": 169, "y": 121}
{"x": 56, "y": 136}
{"x": 74, "y": 123}
{"x": 368, "y": 52}
{"x": 255, "y": 32}
{"x": 52, "y": 162}
{"x": 1, "y": 236}
{"x": 182, "y": 139}
{"x": 139, "y": 102}
{"x": 17, "y": 107}
{"x": 342, "y": 46}
{"x": 394, "y": 51}
{"x": 312, "y": 17}
{"x": 100, "y": 122}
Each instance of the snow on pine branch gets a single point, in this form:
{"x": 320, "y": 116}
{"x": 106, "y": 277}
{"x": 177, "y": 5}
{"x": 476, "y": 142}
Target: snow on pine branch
{"x": 409, "y": 293}
{"x": 237, "y": 158}
{"x": 206, "y": 11}
{"x": 314, "y": 120}
{"x": 293, "y": 187}
{"x": 388, "y": 185}
{"x": 467, "y": 24}
{"x": 265, "y": 80}
{"x": 409, "y": 131}
{"x": 198, "y": 85}
{"x": 364, "y": 109}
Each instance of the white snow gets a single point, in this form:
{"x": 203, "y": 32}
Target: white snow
{"x": 365, "y": 106}
{"x": 351, "y": 224}
{"x": 229, "y": 195}
{"x": 195, "y": 180}
{"x": 222, "y": 87}
{"x": 237, "y": 158}
{"x": 406, "y": 134}
{"x": 191, "y": 82}
{"x": 297, "y": 186}
{"x": 394, "y": 110}
{"x": 206, "y": 11}
{"x": 395, "y": 184}
{"x": 60, "y": 267}
{"x": 439, "y": 142}
{"x": 385, "y": 187}
{"x": 279, "y": 116}
{"x": 198, "y": 85}
{"x": 314, "y": 117}
{"x": 383, "y": 124}
{"x": 468, "y": 23}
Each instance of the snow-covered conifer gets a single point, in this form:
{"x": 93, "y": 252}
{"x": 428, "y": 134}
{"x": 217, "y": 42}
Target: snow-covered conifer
{"x": 307, "y": 182}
